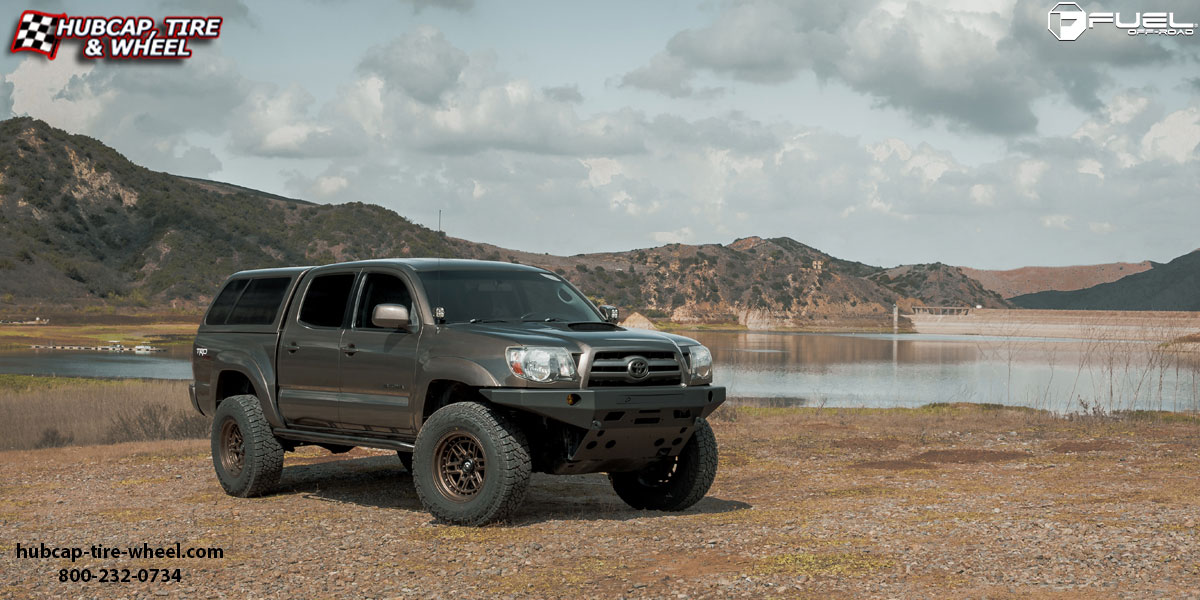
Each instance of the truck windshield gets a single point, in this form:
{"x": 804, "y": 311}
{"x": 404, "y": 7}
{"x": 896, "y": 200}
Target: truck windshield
{"x": 472, "y": 296}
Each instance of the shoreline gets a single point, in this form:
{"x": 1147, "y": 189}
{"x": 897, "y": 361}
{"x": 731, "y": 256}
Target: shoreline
{"x": 1155, "y": 326}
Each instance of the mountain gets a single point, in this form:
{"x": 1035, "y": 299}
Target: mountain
{"x": 950, "y": 286}
{"x": 1029, "y": 280}
{"x": 81, "y": 225}
{"x": 1165, "y": 286}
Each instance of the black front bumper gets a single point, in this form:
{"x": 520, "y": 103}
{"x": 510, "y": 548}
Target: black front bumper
{"x": 621, "y": 425}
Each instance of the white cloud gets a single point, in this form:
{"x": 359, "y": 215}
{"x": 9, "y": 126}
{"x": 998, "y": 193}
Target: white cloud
{"x": 39, "y": 90}
{"x": 682, "y": 235}
{"x": 1175, "y": 137}
{"x": 601, "y": 170}
{"x": 983, "y": 194}
{"x": 1091, "y": 166}
{"x": 1029, "y": 174}
{"x": 329, "y": 185}
{"x": 1056, "y": 221}
{"x": 455, "y": 5}
{"x": 667, "y": 75}
{"x": 1101, "y": 227}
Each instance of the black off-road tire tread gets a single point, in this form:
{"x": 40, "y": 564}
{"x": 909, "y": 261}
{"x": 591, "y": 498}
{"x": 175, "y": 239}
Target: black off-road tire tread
{"x": 690, "y": 484}
{"x": 513, "y": 448}
{"x": 264, "y": 454}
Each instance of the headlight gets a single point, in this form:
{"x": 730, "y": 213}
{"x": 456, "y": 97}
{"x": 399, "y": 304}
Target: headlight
{"x": 700, "y": 361}
{"x": 541, "y": 363}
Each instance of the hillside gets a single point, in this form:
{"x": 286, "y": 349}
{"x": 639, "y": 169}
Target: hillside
{"x": 949, "y": 285}
{"x": 83, "y": 226}
{"x": 1165, "y": 286}
{"x": 1029, "y": 280}
{"x": 82, "y": 222}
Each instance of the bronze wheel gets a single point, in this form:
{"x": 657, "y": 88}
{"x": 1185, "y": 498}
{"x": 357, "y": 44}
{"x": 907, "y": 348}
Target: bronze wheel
{"x": 245, "y": 453}
{"x": 470, "y": 464}
{"x": 459, "y": 466}
{"x": 233, "y": 448}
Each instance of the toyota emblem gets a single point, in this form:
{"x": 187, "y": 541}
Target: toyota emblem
{"x": 637, "y": 367}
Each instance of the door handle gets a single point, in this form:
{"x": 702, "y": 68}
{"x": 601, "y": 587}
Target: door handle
{"x": 349, "y": 349}
{"x": 292, "y": 347}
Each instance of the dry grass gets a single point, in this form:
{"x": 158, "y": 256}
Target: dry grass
{"x": 41, "y": 412}
{"x": 23, "y": 336}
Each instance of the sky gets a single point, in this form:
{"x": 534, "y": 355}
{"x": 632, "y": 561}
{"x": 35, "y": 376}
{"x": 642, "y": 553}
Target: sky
{"x": 875, "y": 130}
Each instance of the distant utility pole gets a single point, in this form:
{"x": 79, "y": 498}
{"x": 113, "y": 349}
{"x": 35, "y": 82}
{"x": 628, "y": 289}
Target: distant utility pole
{"x": 895, "y": 318}
{"x": 439, "y": 220}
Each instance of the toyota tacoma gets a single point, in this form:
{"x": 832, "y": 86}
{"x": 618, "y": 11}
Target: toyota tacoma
{"x": 476, "y": 373}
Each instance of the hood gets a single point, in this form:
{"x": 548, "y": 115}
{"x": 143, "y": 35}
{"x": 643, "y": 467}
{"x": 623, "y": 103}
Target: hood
{"x": 561, "y": 334}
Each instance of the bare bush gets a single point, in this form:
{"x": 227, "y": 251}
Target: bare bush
{"x": 88, "y": 411}
{"x": 156, "y": 422}
{"x": 53, "y": 438}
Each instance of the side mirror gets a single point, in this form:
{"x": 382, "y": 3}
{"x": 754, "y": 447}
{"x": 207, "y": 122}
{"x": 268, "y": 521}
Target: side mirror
{"x": 610, "y": 313}
{"x": 390, "y": 316}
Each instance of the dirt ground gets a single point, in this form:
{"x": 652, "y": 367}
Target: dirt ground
{"x": 958, "y": 501}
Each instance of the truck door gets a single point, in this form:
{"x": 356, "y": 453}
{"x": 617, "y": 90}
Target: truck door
{"x": 310, "y": 350}
{"x": 379, "y": 365}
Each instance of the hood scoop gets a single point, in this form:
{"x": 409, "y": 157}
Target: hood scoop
{"x": 589, "y": 326}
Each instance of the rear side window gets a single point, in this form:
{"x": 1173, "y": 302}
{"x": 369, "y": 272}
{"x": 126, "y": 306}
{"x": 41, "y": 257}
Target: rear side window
{"x": 223, "y": 305}
{"x": 326, "y": 299}
{"x": 260, "y": 302}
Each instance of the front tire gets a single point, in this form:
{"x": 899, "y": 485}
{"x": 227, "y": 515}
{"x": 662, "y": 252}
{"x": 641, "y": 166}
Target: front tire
{"x": 246, "y": 455}
{"x": 471, "y": 464}
{"x": 675, "y": 483}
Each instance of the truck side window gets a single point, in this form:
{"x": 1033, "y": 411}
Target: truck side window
{"x": 380, "y": 288}
{"x": 260, "y": 302}
{"x": 325, "y": 301}
{"x": 223, "y": 305}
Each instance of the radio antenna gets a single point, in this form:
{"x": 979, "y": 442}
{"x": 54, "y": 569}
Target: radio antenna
{"x": 439, "y": 313}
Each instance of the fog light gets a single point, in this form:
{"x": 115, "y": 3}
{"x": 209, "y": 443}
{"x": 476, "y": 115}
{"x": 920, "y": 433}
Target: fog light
{"x": 573, "y": 399}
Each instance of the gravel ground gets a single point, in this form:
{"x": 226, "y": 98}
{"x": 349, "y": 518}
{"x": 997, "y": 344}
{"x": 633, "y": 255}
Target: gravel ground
{"x": 953, "y": 502}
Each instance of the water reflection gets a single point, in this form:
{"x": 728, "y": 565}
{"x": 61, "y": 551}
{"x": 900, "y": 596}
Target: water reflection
{"x": 787, "y": 369}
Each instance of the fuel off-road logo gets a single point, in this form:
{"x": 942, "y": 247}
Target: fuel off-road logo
{"x": 1067, "y": 21}
{"x": 113, "y": 37}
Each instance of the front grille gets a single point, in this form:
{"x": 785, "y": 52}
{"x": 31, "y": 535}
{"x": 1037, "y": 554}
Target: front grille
{"x": 610, "y": 369}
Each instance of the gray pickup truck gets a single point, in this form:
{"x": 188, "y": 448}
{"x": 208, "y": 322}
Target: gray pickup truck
{"x": 476, "y": 373}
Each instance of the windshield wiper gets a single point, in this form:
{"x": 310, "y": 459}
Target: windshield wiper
{"x": 488, "y": 321}
{"x": 546, "y": 320}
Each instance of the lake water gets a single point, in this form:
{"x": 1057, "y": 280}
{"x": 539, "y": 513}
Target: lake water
{"x": 172, "y": 364}
{"x": 910, "y": 370}
{"x": 800, "y": 369}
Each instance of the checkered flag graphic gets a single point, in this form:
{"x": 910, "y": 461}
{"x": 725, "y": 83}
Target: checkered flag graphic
{"x": 37, "y": 33}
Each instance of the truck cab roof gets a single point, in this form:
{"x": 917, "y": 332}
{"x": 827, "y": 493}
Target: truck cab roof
{"x": 416, "y": 264}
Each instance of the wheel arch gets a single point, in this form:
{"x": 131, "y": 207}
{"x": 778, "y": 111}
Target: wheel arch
{"x": 444, "y": 392}
{"x": 448, "y": 380}
{"x": 238, "y": 377}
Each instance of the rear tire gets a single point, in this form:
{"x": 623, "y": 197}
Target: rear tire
{"x": 247, "y": 457}
{"x": 675, "y": 483}
{"x": 471, "y": 464}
